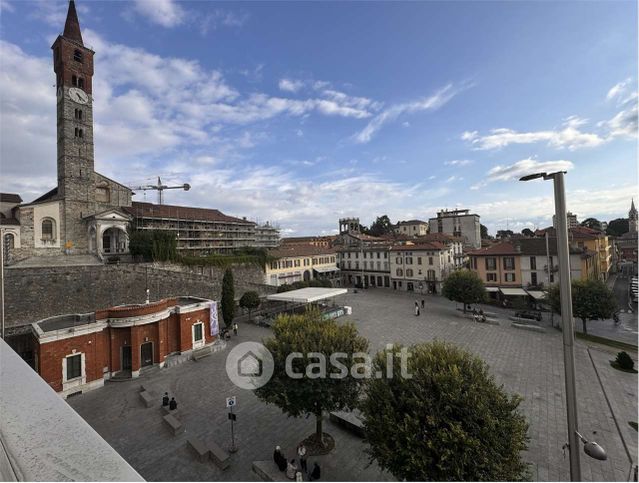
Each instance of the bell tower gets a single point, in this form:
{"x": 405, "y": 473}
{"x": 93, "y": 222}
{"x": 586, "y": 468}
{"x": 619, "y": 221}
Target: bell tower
{"x": 633, "y": 217}
{"x": 73, "y": 66}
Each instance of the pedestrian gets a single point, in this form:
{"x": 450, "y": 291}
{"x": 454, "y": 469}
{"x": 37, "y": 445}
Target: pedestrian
{"x": 475, "y": 315}
{"x": 172, "y": 404}
{"x": 416, "y": 303}
{"x": 235, "y": 328}
{"x": 416, "y": 310}
{"x": 301, "y": 453}
{"x": 316, "y": 473}
{"x": 279, "y": 458}
{"x": 291, "y": 469}
{"x": 423, "y": 303}
{"x": 165, "y": 399}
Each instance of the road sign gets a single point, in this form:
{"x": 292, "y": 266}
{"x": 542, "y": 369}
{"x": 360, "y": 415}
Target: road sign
{"x": 231, "y": 401}
{"x": 233, "y": 416}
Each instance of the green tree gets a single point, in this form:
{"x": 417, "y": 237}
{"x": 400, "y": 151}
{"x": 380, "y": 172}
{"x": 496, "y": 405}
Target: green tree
{"x": 309, "y": 333}
{"x": 591, "y": 299}
{"x": 483, "y": 229}
{"x": 528, "y": 232}
{"x": 450, "y": 421}
{"x": 381, "y": 226}
{"x": 228, "y": 298}
{"x": 250, "y": 301}
{"x": 618, "y": 227}
{"x": 465, "y": 287}
{"x": 592, "y": 223}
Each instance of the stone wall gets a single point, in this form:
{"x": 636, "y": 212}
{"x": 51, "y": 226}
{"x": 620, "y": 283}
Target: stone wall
{"x": 32, "y": 294}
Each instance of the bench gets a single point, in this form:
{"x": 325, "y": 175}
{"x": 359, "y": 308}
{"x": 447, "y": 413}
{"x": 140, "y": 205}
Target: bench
{"x": 534, "y": 328}
{"x": 200, "y": 449}
{"x": 146, "y": 398}
{"x": 351, "y": 421}
{"x": 219, "y": 456}
{"x": 174, "y": 424}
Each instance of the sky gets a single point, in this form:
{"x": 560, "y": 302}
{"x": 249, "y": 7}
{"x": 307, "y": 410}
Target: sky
{"x": 300, "y": 113}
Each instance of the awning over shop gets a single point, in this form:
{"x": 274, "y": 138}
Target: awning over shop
{"x": 307, "y": 295}
{"x": 492, "y": 289}
{"x": 537, "y": 294}
{"x": 326, "y": 269}
{"x": 513, "y": 291}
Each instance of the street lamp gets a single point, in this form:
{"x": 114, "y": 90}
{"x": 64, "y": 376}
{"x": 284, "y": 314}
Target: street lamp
{"x": 591, "y": 448}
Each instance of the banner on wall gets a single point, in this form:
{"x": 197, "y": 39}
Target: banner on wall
{"x": 213, "y": 320}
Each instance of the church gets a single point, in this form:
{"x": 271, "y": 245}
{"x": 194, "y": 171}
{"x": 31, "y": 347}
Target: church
{"x": 88, "y": 213}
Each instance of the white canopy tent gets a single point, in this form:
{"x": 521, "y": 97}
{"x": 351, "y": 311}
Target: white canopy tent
{"x": 537, "y": 294}
{"x": 512, "y": 291}
{"x": 492, "y": 289}
{"x": 307, "y": 295}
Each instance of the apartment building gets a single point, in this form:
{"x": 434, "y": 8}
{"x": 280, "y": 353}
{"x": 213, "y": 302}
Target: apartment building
{"x": 366, "y": 265}
{"x": 458, "y": 223}
{"x": 571, "y": 218}
{"x": 420, "y": 266}
{"x": 266, "y": 236}
{"x": 455, "y": 243}
{"x": 412, "y": 227}
{"x": 299, "y": 262}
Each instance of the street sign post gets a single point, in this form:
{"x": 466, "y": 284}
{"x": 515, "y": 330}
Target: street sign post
{"x": 231, "y": 402}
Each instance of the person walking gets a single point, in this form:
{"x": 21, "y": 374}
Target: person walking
{"x": 291, "y": 469}
{"x": 235, "y": 328}
{"x": 165, "y": 399}
{"x": 316, "y": 473}
{"x": 172, "y": 404}
{"x": 279, "y": 459}
{"x": 416, "y": 310}
{"x": 423, "y": 303}
{"x": 301, "y": 454}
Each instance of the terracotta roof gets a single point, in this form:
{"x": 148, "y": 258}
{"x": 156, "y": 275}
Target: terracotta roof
{"x": 72, "y": 25}
{"x": 306, "y": 239}
{"x": 412, "y": 222}
{"x": 10, "y": 198}
{"x": 435, "y": 245}
{"x": 441, "y": 237}
{"x": 502, "y": 248}
{"x": 149, "y": 210}
{"x": 584, "y": 232}
{"x": 537, "y": 246}
{"x": 300, "y": 250}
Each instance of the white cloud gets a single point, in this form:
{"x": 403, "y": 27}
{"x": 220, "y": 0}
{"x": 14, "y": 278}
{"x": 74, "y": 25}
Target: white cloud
{"x": 458, "y": 162}
{"x": 527, "y": 166}
{"x": 619, "y": 89}
{"x": 219, "y": 17}
{"x": 623, "y": 124}
{"x": 166, "y": 13}
{"x": 390, "y": 114}
{"x": 290, "y": 85}
{"x": 5, "y": 6}
{"x": 299, "y": 133}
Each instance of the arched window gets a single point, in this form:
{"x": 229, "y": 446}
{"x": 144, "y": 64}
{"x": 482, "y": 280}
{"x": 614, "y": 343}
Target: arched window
{"x": 9, "y": 241}
{"x": 409, "y": 272}
{"x": 80, "y": 82}
{"x": 48, "y": 229}
{"x": 399, "y": 272}
{"x": 77, "y": 55}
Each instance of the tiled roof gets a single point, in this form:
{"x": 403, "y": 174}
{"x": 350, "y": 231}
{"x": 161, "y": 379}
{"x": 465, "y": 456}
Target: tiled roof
{"x": 441, "y": 237}
{"x": 435, "y": 245}
{"x": 149, "y": 210}
{"x": 412, "y": 222}
{"x": 537, "y": 246}
{"x": 10, "y": 198}
{"x": 502, "y": 248}
{"x": 300, "y": 250}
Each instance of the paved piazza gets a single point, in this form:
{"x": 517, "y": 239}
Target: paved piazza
{"x": 525, "y": 362}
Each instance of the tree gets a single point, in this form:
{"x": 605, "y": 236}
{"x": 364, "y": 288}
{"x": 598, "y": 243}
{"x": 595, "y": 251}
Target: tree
{"x": 618, "y": 227}
{"x": 228, "y": 298}
{"x": 381, "y": 226}
{"x": 591, "y": 299}
{"x": 504, "y": 234}
{"x": 527, "y": 232}
{"x": 450, "y": 421}
{"x": 464, "y": 286}
{"x": 309, "y": 333}
{"x": 592, "y": 223}
{"x": 250, "y": 301}
{"x": 483, "y": 229}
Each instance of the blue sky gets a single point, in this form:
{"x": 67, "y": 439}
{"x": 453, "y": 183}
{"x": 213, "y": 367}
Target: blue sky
{"x": 302, "y": 113}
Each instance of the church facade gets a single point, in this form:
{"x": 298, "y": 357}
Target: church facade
{"x": 84, "y": 213}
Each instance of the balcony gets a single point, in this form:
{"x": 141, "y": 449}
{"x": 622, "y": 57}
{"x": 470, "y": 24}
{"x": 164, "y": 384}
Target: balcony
{"x": 43, "y": 438}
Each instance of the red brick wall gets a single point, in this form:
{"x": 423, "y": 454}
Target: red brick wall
{"x": 186, "y": 327}
{"x": 66, "y": 66}
{"x": 119, "y": 337}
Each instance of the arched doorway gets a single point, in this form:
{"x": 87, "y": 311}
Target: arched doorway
{"x": 114, "y": 240}
{"x": 307, "y": 275}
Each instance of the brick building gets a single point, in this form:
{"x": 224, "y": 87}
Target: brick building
{"x": 78, "y": 352}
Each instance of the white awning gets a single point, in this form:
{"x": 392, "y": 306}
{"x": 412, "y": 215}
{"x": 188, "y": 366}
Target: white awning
{"x": 326, "y": 269}
{"x": 492, "y": 289}
{"x": 537, "y": 294}
{"x": 513, "y": 291}
{"x": 307, "y": 295}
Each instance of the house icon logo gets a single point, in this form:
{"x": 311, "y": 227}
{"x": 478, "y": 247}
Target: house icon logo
{"x": 249, "y": 365}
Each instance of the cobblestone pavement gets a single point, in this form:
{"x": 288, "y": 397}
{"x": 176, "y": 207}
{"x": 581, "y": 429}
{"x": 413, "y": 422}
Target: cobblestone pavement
{"x": 528, "y": 363}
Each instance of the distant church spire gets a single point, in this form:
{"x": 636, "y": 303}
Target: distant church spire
{"x": 72, "y": 25}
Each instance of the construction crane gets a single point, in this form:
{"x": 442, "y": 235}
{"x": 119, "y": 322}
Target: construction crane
{"x": 161, "y": 187}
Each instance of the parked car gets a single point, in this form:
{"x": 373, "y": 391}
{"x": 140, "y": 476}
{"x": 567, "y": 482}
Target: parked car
{"x": 529, "y": 314}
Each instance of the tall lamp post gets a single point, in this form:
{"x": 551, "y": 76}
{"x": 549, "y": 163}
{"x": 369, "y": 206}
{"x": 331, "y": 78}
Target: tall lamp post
{"x": 566, "y": 316}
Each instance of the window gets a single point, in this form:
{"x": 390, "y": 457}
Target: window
{"x": 198, "y": 333}
{"x": 74, "y": 366}
{"x": 399, "y": 272}
{"x": 509, "y": 277}
{"x": 47, "y": 229}
{"x": 77, "y": 55}
{"x": 379, "y": 265}
{"x": 419, "y": 260}
{"x": 377, "y": 254}
{"x": 409, "y": 272}
{"x": 491, "y": 277}
{"x": 491, "y": 264}
{"x": 533, "y": 263}
{"x": 80, "y": 82}
{"x": 430, "y": 260}
{"x": 9, "y": 241}
{"x": 509, "y": 263}
{"x": 409, "y": 261}
{"x": 533, "y": 278}
{"x": 78, "y": 114}
{"x": 398, "y": 260}
{"x": 79, "y": 133}
{"x": 74, "y": 81}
